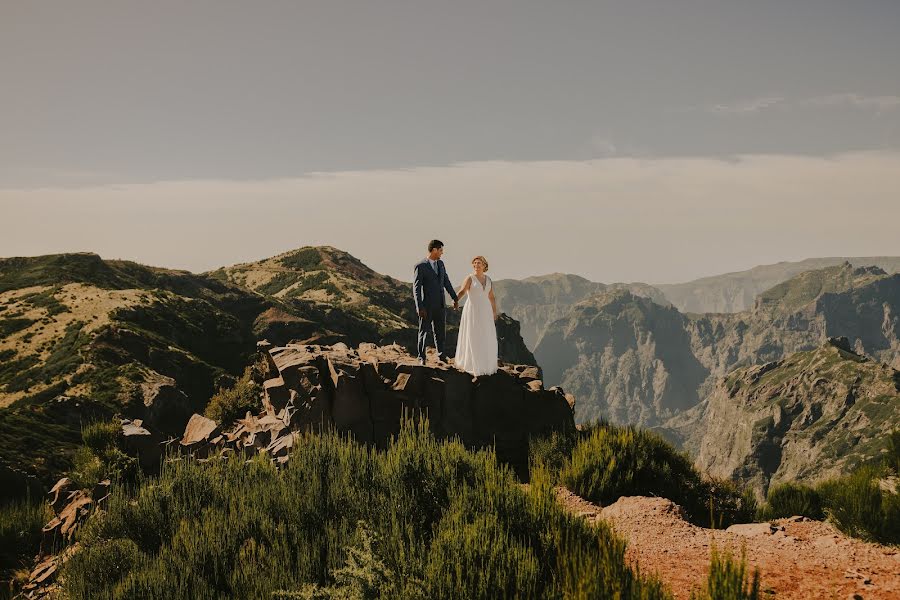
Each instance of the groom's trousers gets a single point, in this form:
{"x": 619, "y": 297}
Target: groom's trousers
{"x": 434, "y": 325}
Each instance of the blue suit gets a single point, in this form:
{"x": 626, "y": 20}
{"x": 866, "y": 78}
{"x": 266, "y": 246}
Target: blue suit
{"x": 428, "y": 294}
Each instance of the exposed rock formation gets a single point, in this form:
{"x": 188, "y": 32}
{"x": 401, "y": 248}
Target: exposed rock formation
{"x": 367, "y": 392}
{"x": 811, "y": 415}
{"x": 633, "y": 361}
{"x": 535, "y": 302}
{"x": 626, "y": 359}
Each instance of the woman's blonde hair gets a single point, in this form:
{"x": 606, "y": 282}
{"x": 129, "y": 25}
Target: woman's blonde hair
{"x": 482, "y": 259}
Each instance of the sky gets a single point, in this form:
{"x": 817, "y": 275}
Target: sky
{"x": 642, "y": 140}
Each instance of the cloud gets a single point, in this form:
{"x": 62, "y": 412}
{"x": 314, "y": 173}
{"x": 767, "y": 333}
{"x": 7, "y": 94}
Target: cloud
{"x": 766, "y": 103}
{"x": 745, "y": 107}
{"x": 611, "y": 219}
{"x": 878, "y": 103}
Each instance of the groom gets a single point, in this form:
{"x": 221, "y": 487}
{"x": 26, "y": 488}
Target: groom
{"x": 429, "y": 282}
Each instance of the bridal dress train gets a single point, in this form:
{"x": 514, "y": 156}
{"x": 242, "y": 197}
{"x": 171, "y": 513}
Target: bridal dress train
{"x": 476, "y": 348}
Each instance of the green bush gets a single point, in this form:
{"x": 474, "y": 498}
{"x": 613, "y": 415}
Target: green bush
{"x": 858, "y": 506}
{"x": 303, "y": 259}
{"x": 893, "y": 455}
{"x": 228, "y": 405}
{"x": 101, "y": 436}
{"x": 20, "y": 534}
{"x": 612, "y": 462}
{"x": 790, "y": 499}
{"x": 553, "y": 451}
{"x": 728, "y": 580}
{"x": 444, "y": 522}
{"x": 102, "y": 456}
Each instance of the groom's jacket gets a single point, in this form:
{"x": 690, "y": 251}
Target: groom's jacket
{"x": 429, "y": 286}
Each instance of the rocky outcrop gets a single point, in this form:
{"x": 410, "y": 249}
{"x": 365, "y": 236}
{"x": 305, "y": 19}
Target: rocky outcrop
{"x": 368, "y": 391}
{"x": 808, "y": 416}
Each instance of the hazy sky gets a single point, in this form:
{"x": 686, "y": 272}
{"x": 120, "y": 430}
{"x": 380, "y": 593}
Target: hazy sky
{"x": 633, "y": 140}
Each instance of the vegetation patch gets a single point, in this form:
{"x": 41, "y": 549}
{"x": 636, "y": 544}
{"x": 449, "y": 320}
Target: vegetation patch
{"x": 856, "y": 504}
{"x": 320, "y": 280}
{"x": 607, "y": 462}
{"x": 729, "y": 579}
{"x": 438, "y": 522}
{"x": 15, "y": 324}
{"x": 228, "y": 405}
{"x": 20, "y": 535}
{"x": 46, "y": 300}
{"x": 279, "y": 282}
{"x": 304, "y": 259}
{"x": 102, "y": 456}
{"x": 64, "y": 358}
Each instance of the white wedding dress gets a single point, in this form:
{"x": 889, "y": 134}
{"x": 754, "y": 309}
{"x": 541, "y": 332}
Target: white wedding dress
{"x": 476, "y": 348}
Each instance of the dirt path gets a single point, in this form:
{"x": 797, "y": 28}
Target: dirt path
{"x": 797, "y": 558}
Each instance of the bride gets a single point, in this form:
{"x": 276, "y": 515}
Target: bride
{"x": 476, "y": 349}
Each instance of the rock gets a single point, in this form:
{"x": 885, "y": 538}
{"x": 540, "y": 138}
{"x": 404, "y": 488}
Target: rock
{"x": 368, "y": 392}
{"x": 70, "y": 517}
{"x": 166, "y": 407}
{"x": 59, "y": 494}
{"x": 139, "y": 441}
{"x": 752, "y": 529}
{"x": 841, "y": 342}
{"x": 199, "y": 429}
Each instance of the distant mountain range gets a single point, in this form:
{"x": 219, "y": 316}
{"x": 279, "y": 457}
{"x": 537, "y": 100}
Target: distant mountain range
{"x": 537, "y": 301}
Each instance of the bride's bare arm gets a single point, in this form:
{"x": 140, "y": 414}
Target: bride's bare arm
{"x": 493, "y": 302}
{"x": 466, "y": 284}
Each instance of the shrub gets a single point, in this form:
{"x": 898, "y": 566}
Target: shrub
{"x": 102, "y": 456}
{"x": 612, "y": 462}
{"x": 790, "y": 499}
{"x": 552, "y": 452}
{"x": 303, "y": 259}
{"x": 444, "y": 522}
{"x": 728, "y": 580}
{"x": 20, "y": 533}
{"x": 858, "y": 506}
{"x": 893, "y": 455}
{"x": 228, "y": 405}
{"x": 101, "y": 436}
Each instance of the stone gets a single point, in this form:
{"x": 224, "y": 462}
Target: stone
{"x": 275, "y": 393}
{"x": 166, "y": 407}
{"x": 198, "y": 429}
{"x": 753, "y": 529}
{"x": 59, "y": 494}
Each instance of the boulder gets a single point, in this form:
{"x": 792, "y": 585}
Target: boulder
{"x": 166, "y": 407}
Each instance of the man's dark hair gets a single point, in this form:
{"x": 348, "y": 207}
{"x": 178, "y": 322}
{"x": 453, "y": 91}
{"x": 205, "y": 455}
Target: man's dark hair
{"x": 435, "y": 244}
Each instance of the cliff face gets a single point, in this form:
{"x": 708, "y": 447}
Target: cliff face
{"x": 367, "y": 392}
{"x": 536, "y": 302}
{"x": 625, "y": 358}
{"x": 617, "y": 347}
{"x": 811, "y": 415}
